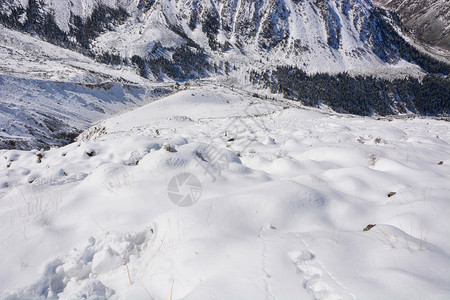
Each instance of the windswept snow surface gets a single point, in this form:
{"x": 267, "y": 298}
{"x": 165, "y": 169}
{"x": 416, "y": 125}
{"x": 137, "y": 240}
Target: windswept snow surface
{"x": 285, "y": 193}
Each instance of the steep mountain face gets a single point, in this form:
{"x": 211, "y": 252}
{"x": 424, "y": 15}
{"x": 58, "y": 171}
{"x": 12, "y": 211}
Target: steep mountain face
{"x": 428, "y": 20}
{"x": 318, "y": 36}
{"x": 196, "y": 38}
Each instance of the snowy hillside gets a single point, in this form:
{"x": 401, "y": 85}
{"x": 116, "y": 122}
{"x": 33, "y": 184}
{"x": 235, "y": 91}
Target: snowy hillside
{"x": 31, "y": 58}
{"x": 48, "y": 95}
{"x": 39, "y": 114}
{"x": 211, "y": 193}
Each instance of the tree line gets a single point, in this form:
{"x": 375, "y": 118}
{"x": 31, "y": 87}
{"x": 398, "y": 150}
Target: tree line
{"x": 359, "y": 95}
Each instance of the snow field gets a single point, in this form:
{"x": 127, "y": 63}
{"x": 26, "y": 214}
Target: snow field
{"x": 280, "y": 217}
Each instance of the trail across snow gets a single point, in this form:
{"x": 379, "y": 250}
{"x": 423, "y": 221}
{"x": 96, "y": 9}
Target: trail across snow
{"x": 285, "y": 194}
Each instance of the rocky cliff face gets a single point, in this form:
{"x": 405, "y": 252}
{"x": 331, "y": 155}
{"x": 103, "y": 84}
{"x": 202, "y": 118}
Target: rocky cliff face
{"x": 427, "y": 20}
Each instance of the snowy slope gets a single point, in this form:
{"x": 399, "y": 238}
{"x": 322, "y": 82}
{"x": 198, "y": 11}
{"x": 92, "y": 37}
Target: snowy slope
{"x": 39, "y": 114}
{"x": 63, "y": 9}
{"x": 283, "y": 196}
{"x": 48, "y": 94}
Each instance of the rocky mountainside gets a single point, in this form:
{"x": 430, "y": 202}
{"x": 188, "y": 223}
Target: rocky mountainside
{"x": 195, "y": 38}
{"x": 427, "y": 20}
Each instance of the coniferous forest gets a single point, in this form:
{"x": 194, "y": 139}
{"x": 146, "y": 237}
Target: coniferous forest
{"x": 359, "y": 95}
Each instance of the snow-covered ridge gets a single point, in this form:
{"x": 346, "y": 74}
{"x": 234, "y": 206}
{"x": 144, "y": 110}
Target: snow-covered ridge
{"x": 282, "y": 217}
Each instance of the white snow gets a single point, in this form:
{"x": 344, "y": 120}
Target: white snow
{"x": 280, "y": 214}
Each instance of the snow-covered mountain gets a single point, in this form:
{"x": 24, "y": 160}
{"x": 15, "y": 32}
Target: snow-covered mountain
{"x": 190, "y": 38}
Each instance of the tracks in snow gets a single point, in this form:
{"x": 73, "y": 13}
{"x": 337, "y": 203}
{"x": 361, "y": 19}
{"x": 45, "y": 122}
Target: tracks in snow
{"x": 316, "y": 279}
{"x": 312, "y": 280}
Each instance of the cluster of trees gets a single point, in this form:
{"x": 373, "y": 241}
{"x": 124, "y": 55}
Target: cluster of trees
{"x": 185, "y": 63}
{"x": 32, "y": 20}
{"x": 360, "y": 95}
{"x": 210, "y": 27}
{"x": 103, "y": 18}
{"x": 145, "y": 5}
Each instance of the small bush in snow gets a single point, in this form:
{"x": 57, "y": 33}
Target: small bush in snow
{"x": 169, "y": 148}
{"x": 368, "y": 227}
{"x": 391, "y": 194}
{"x": 39, "y": 156}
